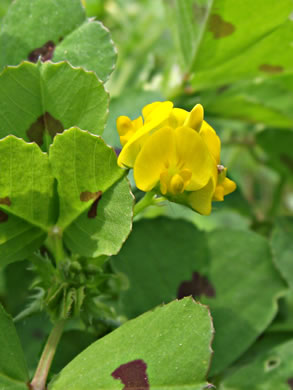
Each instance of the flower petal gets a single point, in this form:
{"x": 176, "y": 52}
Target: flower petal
{"x": 194, "y": 155}
{"x": 212, "y": 140}
{"x": 131, "y": 149}
{"x": 156, "y": 155}
{"x": 201, "y": 200}
{"x": 195, "y": 117}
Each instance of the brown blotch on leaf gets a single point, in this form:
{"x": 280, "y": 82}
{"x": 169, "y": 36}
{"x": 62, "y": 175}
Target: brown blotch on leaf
{"x": 287, "y": 160}
{"x": 219, "y": 27}
{"x": 290, "y": 382}
{"x": 133, "y": 375}
{"x": 197, "y": 286}
{"x": 87, "y": 196}
{"x": 5, "y": 201}
{"x": 44, "y": 122}
{"x": 3, "y": 216}
{"x": 271, "y": 68}
{"x": 45, "y": 52}
{"x": 199, "y": 12}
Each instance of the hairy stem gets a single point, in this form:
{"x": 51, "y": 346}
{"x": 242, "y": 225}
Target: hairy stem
{"x": 40, "y": 378}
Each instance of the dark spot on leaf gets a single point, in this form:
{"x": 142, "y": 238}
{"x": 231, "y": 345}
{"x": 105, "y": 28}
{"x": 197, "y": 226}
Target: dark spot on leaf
{"x": 199, "y": 285}
{"x": 287, "y": 160}
{"x": 44, "y": 122}
{"x": 199, "y": 12}
{"x": 271, "y": 68}
{"x": 272, "y": 363}
{"x": 38, "y": 334}
{"x": 3, "y": 216}
{"x": 223, "y": 88}
{"x": 5, "y": 201}
{"x": 219, "y": 27}
{"x": 290, "y": 382}
{"x": 87, "y": 196}
{"x": 92, "y": 213}
{"x": 133, "y": 375}
{"x": 45, "y": 52}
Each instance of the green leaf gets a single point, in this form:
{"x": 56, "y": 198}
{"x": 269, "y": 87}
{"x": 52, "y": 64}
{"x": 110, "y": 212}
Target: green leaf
{"x": 91, "y": 47}
{"x": 30, "y": 25}
{"x": 95, "y": 203}
{"x": 188, "y": 19}
{"x": 282, "y": 247}
{"x": 39, "y": 100}
{"x": 239, "y": 52}
{"x": 268, "y": 102}
{"x": 13, "y": 370}
{"x": 270, "y": 371}
{"x": 166, "y": 258}
{"x": 168, "y": 348}
{"x": 18, "y": 239}
{"x": 26, "y": 198}
{"x": 277, "y": 145}
{"x": 26, "y": 182}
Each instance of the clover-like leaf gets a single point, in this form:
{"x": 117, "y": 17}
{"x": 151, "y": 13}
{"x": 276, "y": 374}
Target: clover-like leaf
{"x": 216, "y": 268}
{"x": 165, "y": 349}
{"x": 95, "y": 201}
{"x": 42, "y": 28}
{"x": 271, "y": 370}
{"x": 239, "y": 52}
{"x": 37, "y": 101}
{"x": 26, "y": 198}
{"x": 13, "y": 369}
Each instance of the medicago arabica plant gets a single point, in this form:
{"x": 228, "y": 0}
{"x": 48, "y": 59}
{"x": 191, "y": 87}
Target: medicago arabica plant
{"x": 116, "y": 268}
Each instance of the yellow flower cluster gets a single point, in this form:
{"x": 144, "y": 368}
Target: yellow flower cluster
{"x": 176, "y": 153}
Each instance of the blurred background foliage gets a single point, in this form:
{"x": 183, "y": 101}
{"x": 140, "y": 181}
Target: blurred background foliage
{"x": 244, "y": 79}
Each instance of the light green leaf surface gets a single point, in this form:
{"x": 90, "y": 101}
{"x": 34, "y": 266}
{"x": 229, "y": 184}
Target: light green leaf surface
{"x": 71, "y": 96}
{"x": 84, "y": 165}
{"x": 170, "y": 345}
{"x": 269, "y": 371}
{"x": 91, "y": 47}
{"x": 282, "y": 246}
{"x": 26, "y": 198}
{"x": 225, "y": 48}
{"x": 13, "y": 370}
{"x": 229, "y": 270}
{"x": 30, "y": 24}
{"x": 26, "y": 182}
{"x": 267, "y": 102}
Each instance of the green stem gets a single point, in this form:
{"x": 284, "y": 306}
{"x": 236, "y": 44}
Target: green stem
{"x": 41, "y": 374}
{"x": 55, "y": 244}
{"x": 146, "y": 201}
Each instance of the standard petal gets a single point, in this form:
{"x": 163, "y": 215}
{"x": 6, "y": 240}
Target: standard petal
{"x": 177, "y": 117}
{"x": 155, "y": 157}
{"x": 194, "y": 155}
{"x": 212, "y": 140}
{"x": 131, "y": 149}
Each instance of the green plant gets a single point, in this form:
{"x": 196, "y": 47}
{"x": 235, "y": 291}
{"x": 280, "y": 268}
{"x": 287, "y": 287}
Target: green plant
{"x": 84, "y": 251}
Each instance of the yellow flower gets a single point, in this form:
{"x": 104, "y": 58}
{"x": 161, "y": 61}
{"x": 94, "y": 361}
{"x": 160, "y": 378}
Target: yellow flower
{"x": 156, "y": 115}
{"x": 176, "y": 153}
